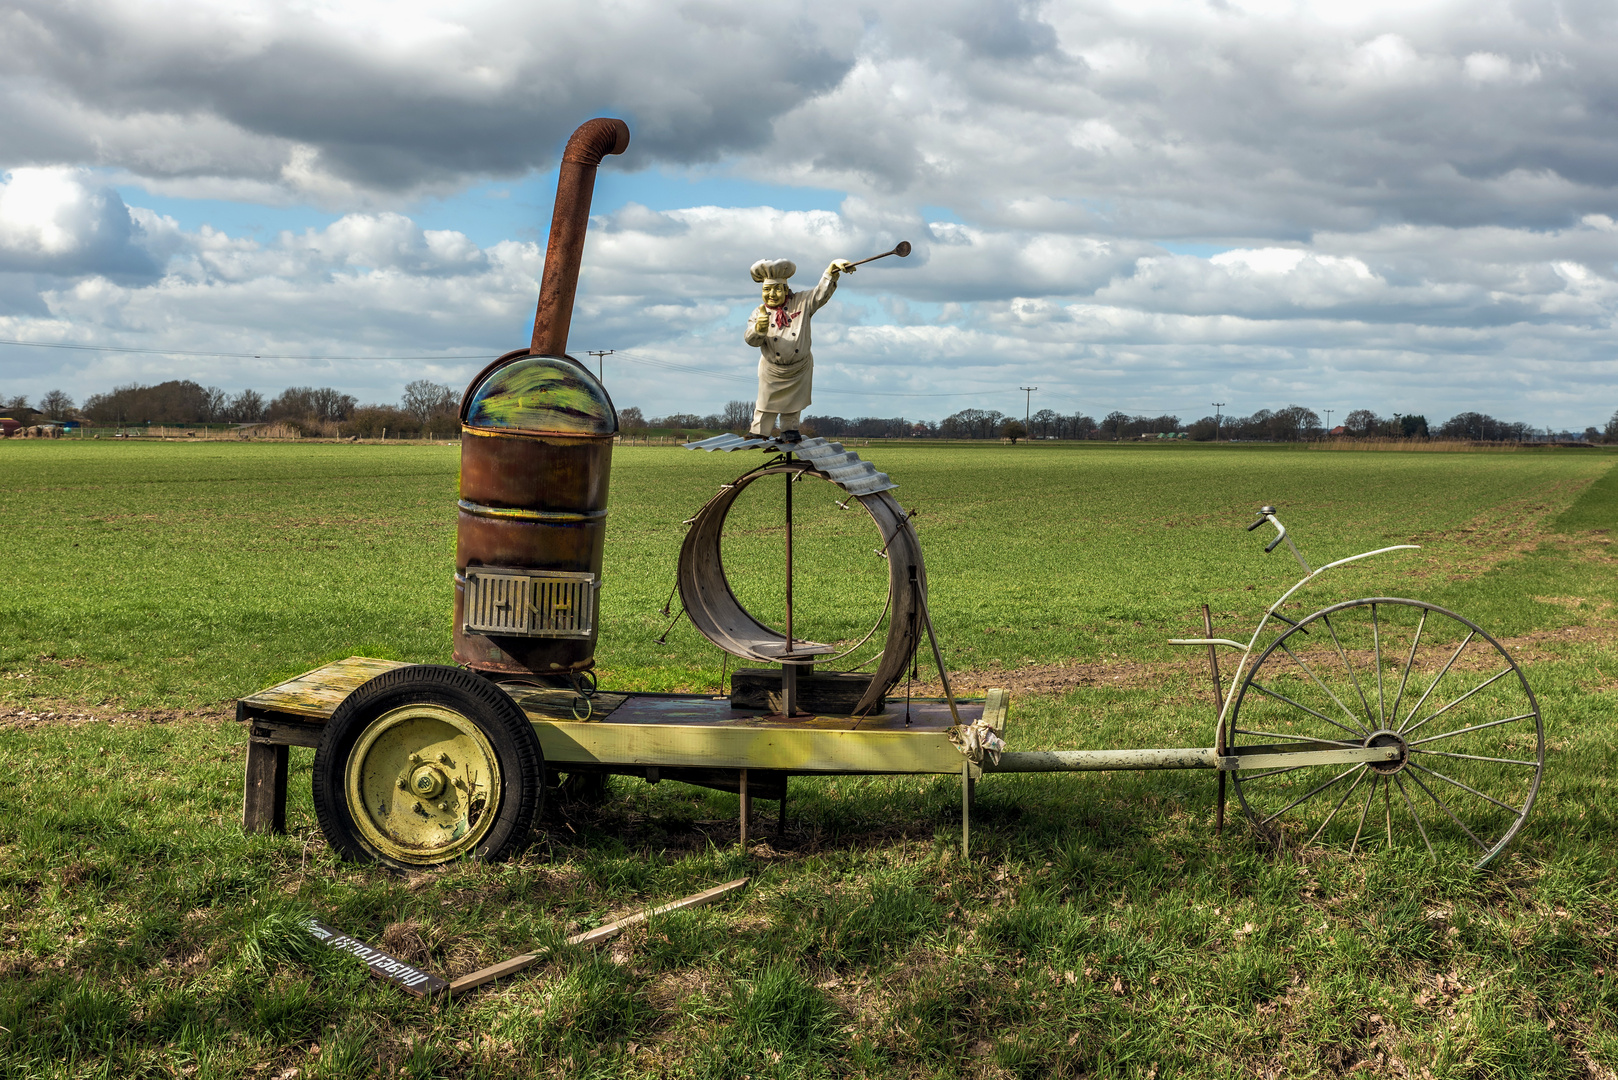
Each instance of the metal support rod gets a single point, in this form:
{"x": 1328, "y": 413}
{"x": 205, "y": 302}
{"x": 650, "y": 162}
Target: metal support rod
{"x": 789, "y": 672}
{"x": 781, "y": 821}
{"x": 1219, "y": 708}
{"x": 746, "y": 807}
{"x": 938, "y": 657}
{"x": 1270, "y": 756}
{"x": 1101, "y": 760}
{"x": 789, "y": 560}
{"x": 789, "y": 690}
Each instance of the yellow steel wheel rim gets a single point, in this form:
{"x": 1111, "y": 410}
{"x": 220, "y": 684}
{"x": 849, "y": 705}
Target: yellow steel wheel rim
{"x": 423, "y": 784}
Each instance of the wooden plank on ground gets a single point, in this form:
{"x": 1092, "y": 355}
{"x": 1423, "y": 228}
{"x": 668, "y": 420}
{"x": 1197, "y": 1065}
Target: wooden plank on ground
{"x": 592, "y": 937}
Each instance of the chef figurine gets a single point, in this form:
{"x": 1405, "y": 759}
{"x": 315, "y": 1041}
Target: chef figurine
{"x": 780, "y": 328}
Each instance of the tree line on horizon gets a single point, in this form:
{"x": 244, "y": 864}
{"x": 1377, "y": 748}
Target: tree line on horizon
{"x": 1295, "y": 423}
{"x": 431, "y": 409}
{"x": 427, "y": 408}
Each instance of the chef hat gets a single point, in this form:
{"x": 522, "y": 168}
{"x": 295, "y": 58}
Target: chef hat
{"x": 774, "y": 271}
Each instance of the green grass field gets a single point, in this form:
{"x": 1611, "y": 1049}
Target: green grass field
{"x": 1100, "y": 929}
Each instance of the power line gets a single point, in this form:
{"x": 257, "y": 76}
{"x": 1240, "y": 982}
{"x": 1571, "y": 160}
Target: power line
{"x": 658, "y": 362}
{"x": 628, "y": 354}
{"x": 225, "y": 355}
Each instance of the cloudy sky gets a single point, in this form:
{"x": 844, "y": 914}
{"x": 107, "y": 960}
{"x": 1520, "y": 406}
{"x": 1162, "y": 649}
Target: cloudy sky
{"x": 1140, "y": 206}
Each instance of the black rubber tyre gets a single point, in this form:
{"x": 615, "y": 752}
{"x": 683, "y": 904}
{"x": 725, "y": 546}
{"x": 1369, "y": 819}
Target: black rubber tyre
{"x": 410, "y": 711}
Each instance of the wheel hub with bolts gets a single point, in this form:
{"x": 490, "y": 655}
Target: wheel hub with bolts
{"x": 427, "y": 781}
{"x": 1385, "y": 737}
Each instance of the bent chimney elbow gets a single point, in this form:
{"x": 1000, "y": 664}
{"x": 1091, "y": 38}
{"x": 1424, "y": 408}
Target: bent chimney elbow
{"x": 592, "y": 141}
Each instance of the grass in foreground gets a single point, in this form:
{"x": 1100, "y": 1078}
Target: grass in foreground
{"x": 1100, "y": 930}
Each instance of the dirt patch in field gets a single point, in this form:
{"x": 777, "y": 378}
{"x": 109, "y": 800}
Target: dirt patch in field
{"x": 1189, "y": 675}
{"x": 1192, "y": 674}
{"x": 1510, "y": 530}
{"x": 1050, "y": 679}
{"x": 70, "y": 713}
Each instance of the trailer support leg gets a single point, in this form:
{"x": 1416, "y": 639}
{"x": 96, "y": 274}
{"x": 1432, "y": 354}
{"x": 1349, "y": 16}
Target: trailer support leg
{"x": 1219, "y": 709}
{"x": 746, "y": 807}
{"x": 966, "y": 810}
{"x": 264, "y": 798}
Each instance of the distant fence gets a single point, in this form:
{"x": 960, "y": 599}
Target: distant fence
{"x": 277, "y": 432}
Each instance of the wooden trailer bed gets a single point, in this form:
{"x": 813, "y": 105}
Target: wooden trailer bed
{"x": 671, "y": 736}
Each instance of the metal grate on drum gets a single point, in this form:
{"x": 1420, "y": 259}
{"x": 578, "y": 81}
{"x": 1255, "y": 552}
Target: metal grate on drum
{"x": 530, "y": 603}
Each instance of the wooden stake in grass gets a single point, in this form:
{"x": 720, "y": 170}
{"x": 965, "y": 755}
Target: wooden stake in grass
{"x": 592, "y": 937}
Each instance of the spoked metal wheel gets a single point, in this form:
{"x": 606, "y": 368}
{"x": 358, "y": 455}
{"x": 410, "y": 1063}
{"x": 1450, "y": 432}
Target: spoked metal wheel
{"x": 1388, "y": 672}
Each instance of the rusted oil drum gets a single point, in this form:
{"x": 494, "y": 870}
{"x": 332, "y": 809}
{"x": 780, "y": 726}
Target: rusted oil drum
{"x": 536, "y": 455}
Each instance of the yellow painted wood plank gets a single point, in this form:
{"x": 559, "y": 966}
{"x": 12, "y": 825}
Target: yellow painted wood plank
{"x": 316, "y": 694}
{"x": 736, "y": 747}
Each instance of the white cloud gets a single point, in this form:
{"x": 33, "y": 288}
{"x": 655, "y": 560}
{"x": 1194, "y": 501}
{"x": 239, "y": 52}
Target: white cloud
{"x": 1410, "y": 199}
{"x": 1398, "y": 318}
{"x": 53, "y": 221}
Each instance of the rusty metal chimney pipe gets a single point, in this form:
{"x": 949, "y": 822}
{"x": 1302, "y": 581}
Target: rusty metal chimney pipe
{"x": 575, "y": 183}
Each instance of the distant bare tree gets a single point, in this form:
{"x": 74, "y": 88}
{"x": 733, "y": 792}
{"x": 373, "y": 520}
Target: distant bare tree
{"x": 306, "y": 402}
{"x": 1294, "y": 422}
{"x": 246, "y": 407}
{"x": 56, "y": 405}
{"x": 1115, "y": 423}
{"x": 215, "y": 403}
{"x": 631, "y": 419}
{"x": 333, "y": 405}
{"x": 1362, "y": 422}
{"x": 738, "y": 415}
{"x": 423, "y": 398}
{"x": 18, "y": 402}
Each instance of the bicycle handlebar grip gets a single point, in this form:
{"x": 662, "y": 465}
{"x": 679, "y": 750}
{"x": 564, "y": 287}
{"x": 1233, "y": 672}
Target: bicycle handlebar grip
{"x": 1256, "y": 524}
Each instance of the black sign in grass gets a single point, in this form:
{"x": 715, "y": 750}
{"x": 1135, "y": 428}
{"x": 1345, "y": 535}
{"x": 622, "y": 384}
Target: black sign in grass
{"x": 412, "y": 980}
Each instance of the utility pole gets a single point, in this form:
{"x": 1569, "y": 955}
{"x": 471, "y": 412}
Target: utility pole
{"x": 1217, "y": 406}
{"x": 1027, "y": 404}
{"x": 598, "y": 354}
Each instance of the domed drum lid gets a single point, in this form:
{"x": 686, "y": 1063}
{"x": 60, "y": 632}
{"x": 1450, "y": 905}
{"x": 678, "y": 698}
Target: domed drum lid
{"x": 539, "y": 395}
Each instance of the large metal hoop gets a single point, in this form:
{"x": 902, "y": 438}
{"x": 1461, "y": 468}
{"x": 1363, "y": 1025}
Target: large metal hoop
{"x": 718, "y": 616}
